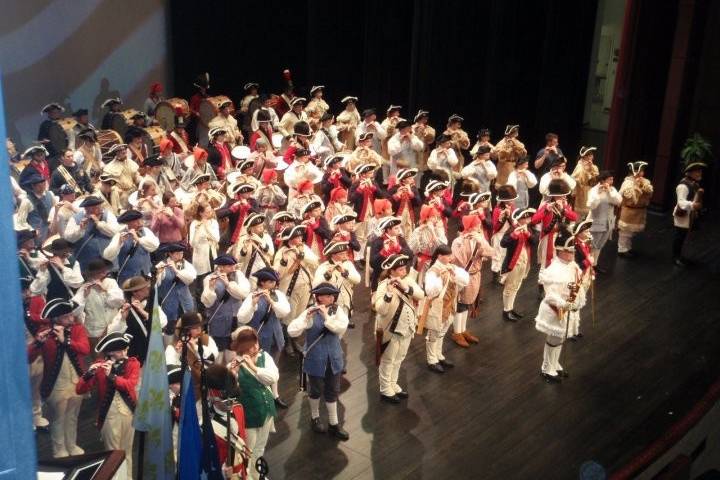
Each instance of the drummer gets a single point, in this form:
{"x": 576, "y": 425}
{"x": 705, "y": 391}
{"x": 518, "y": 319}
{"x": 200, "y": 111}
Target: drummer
{"x": 264, "y": 131}
{"x": 124, "y": 170}
{"x": 51, "y": 134}
{"x": 225, "y": 121}
{"x": 197, "y": 165}
{"x": 113, "y": 106}
{"x": 172, "y": 166}
{"x": 264, "y": 157}
{"x": 82, "y": 122}
{"x": 107, "y": 190}
{"x": 179, "y": 137}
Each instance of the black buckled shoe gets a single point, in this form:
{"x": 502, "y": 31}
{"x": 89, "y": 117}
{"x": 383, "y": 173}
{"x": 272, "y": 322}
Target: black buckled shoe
{"x": 279, "y": 403}
{"x": 551, "y": 378}
{"x": 510, "y": 316}
{"x": 447, "y": 363}
{"x": 394, "y": 399}
{"x": 317, "y": 426}
{"x": 338, "y": 432}
{"x": 436, "y": 367}
{"x": 563, "y": 374}
{"x": 402, "y": 394}
{"x": 351, "y": 324}
{"x": 519, "y": 315}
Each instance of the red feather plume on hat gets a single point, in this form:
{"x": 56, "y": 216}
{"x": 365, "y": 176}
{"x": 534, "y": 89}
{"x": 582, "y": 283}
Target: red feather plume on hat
{"x": 199, "y": 153}
{"x": 337, "y": 193}
{"x": 268, "y": 175}
{"x": 304, "y": 186}
{"x": 426, "y": 211}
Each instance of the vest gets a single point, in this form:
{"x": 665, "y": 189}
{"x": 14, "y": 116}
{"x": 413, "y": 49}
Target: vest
{"x": 327, "y": 350}
{"x": 174, "y": 297}
{"x": 266, "y": 323}
{"x": 257, "y": 400}
{"x": 133, "y": 259}
{"x": 93, "y": 242}
{"x": 222, "y": 314}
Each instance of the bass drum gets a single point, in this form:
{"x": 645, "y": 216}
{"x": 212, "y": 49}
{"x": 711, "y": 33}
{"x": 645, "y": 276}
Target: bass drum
{"x": 167, "y": 110}
{"x": 210, "y": 107}
{"x": 106, "y": 139}
{"x": 156, "y": 133}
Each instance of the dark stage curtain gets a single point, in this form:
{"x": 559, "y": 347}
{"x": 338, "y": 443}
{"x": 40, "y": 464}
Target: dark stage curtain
{"x": 492, "y": 61}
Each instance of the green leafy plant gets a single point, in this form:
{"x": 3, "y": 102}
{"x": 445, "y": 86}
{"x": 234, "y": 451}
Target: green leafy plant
{"x": 696, "y": 149}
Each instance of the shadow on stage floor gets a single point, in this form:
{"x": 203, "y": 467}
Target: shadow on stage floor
{"x": 649, "y": 355}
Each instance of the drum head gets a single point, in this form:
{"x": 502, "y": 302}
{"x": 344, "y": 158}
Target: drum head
{"x": 277, "y": 139}
{"x": 241, "y": 152}
{"x": 280, "y": 164}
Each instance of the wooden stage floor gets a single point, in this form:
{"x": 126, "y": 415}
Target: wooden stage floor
{"x": 652, "y": 352}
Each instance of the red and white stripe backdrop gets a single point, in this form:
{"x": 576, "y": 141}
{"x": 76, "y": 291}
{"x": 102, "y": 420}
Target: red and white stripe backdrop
{"x": 78, "y": 53}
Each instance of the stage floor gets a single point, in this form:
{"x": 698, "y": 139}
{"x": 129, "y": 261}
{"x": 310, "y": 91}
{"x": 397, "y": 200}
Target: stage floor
{"x": 650, "y": 354}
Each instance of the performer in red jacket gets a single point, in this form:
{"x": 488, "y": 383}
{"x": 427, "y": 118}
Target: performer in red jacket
{"x": 116, "y": 379}
{"x": 63, "y": 347}
{"x": 552, "y": 216}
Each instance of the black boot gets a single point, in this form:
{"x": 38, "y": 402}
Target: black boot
{"x": 519, "y": 315}
{"x": 338, "y": 432}
{"x": 551, "y": 378}
{"x": 279, "y": 403}
{"x": 394, "y": 399}
{"x": 317, "y": 426}
{"x": 447, "y": 363}
{"x": 436, "y": 367}
{"x": 496, "y": 278}
{"x": 510, "y": 316}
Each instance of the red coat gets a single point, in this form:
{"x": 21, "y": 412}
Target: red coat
{"x": 125, "y": 382}
{"x": 545, "y": 216}
{"x": 496, "y": 222}
{"x": 77, "y": 347}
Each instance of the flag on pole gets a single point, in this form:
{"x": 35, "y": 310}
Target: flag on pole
{"x": 211, "y": 456}
{"x": 152, "y": 414}
{"x": 189, "y": 444}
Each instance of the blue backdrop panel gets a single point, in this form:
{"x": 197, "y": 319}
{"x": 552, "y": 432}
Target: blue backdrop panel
{"x": 17, "y": 440}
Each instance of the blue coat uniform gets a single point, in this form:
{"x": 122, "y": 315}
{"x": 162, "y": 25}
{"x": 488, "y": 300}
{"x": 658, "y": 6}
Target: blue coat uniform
{"x": 38, "y": 216}
{"x": 325, "y": 351}
{"x": 174, "y": 297}
{"x": 222, "y": 314}
{"x": 136, "y": 261}
{"x": 93, "y": 243}
{"x": 268, "y": 326}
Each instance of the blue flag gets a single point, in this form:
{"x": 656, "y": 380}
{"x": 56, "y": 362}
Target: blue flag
{"x": 211, "y": 458}
{"x": 189, "y": 445}
{"x": 152, "y": 414}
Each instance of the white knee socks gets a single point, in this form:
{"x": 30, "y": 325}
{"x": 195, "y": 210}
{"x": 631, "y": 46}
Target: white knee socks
{"x": 332, "y": 412}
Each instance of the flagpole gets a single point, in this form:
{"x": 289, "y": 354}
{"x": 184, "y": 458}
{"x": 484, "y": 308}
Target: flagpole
{"x": 141, "y": 455}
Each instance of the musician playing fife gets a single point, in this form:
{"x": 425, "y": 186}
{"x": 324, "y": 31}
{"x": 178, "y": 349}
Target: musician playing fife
{"x": 63, "y": 347}
{"x": 323, "y": 325}
{"x": 689, "y": 203}
{"x": 562, "y": 296}
{"x": 443, "y": 281}
{"x": 116, "y": 378}
{"x": 223, "y": 290}
{"x": 130, "y": 248}
{"x": 174, "y": 276}
{"x": 262, "y": 310}
{"x": 395, "y": 302}
{"x": 256, "y": 373}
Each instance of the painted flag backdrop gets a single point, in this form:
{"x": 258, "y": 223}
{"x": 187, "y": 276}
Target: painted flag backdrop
{"x": 152, "y": 414}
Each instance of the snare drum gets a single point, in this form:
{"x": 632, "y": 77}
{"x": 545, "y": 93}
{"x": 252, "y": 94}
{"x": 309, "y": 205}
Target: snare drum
{"x": 106, "y": 139}
{"x": 210, "y": 107}
{"x": 167, "y": 110}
